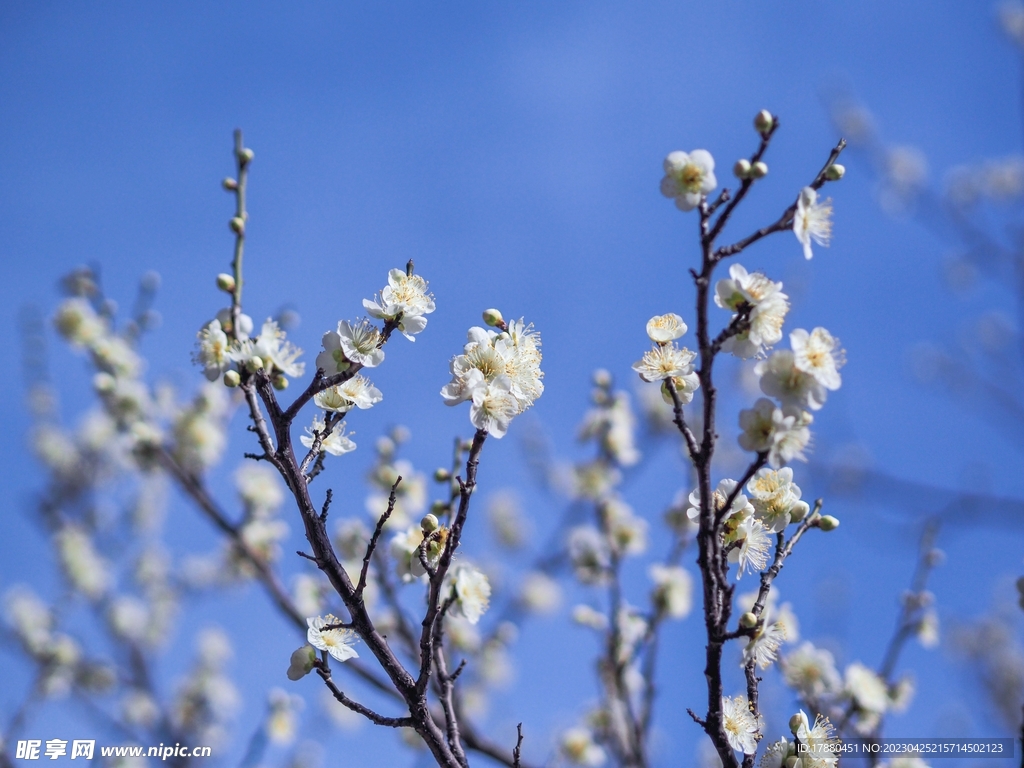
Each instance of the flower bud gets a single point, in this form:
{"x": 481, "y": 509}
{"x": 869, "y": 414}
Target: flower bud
{"x": 758, "y": 170}
{"x": 229, "y": 184}
{"x": 280, "y": 382}
{"x": 828, "y": 523}
{"x": 763, "y": 121}
{"x": 442, "y": 475}
{"x": 301, "y": 662}
{"x": 742, "y": 169}
{"x": 493, "y": 318}
{"x": 232, "y": 379}
{"x": 254, "y": 363}
{"x": 748, "y": 620}
{"x": 226, "y": 282}
{"x": 799, "y": 511}
{"x": 237, "y": 225}
{"x": 602, "y": 378}
{"x": 439, "y": 507}
{"x": 246, "y": 156}
{"x": 797, "y": 720}
{"x": 835, "y": 172}
{"x": 429, "y": 524}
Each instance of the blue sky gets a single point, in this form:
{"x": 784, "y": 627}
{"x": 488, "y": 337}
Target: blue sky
{"x": 514, "y": 151}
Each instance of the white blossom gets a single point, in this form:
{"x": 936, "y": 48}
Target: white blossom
{"x": 78, "y": 322}
{"x": 811, "y": 671}
{"x": 673, "y": 590}
{"x": 586, "y": 616}
{"x": 472, "y": 592}
{"x": 782, "y": 379}
{"x": 782, "y": 433}
{"x": 754, "y": 544}
{"x": 742, "y": 729}
{"x": 588, "y": 551}
{"x": 867, "y": 689}
{"x": 86, "y": 569}
{"x": 775, "y": 497}
{"x": 540, "y": 593}
{"x": 665, "y": 361}
{"x": 818, "y": 353}
{"x": 767, "y": 304}
{"x": 337, "y": 641}
{"x": 357, "y": 392}
{"x": 812, "y": 220}
{"x": 499, "y": 372}
{"x": 688, "y": 177}
{"x": 245, "y": 324}
{"x": 214, "y": 350}
{"x": 665, "y": 328}
{"x": 355, "y": 342}
{"x": 763, "y": 647}
{"x": 337, "y": 443}
{"x": 578, "y": 747}
{"x": 818, "y": 742}
{"x": 404, "y": 298}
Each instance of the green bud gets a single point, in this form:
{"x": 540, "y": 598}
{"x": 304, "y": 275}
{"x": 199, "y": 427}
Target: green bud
{"x": 493, "y": 317}
{"x": 226, "y": 282}
{"x": 758, "y": 170}
{"x": 828, "y": 523}
{"x": 763, "y": 121}
{"x": 429, "y": 524}
{"x": 254, "y": 363}
{"x": 237, "y": 225}
{"x": 748, "y": 620}
{"x": 442, "y": 475}
{"x": 742, "y": 169}
{"x": 301, "y": 662}
{"x": 246, "y": 156}
{"x": 229, "y": 184}
{"x": 232, "y": 379}
{"x": 799, "y": 511}
{"x": 280, "y": 382}
{"x": 439, "y": 507}
{"x": 835, "y": 172}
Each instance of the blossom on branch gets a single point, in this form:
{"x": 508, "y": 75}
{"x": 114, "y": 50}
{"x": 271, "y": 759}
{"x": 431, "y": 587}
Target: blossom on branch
{"x": 688, "y": 177}
{"x": 404, "y": 299}
{"x": 357, "y": 392}
{"x": 666, "y": 361}
{"x": 336, "y": 443}
{"x": 767, "y": 306}
{"x": 742, "y": 729}
{"x": 499, "y": 373}
{"x": 812, "y": 220}
{"x": 665, "y": 328}
{"x": 336, "y": 640}
{"x": 472, "y": 592}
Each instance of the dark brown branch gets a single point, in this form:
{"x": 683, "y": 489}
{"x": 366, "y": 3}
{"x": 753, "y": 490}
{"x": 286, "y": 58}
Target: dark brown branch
{"x": 376, "y": 536}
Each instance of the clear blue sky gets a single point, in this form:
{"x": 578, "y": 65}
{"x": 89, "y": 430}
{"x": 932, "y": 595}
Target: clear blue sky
{"x": 513, "y": 150}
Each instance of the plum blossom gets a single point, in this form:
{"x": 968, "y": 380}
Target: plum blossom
{"x": 688, "y": 177}
{"x": 356, "y": 392}
{"x": 214, "y": 350}
{"x": 337, "y": 641}
{"x": 276, "y": 354}
{"x": 767, "y": 304}
{"x": 337, "y": 443}
{"x": 776, "y": 498}
{"x": 665, "y": 361}
{"x": 782, "y": 433}
{"x": 742, "y": 729}
{"x": 673, "y": 589}
{"x": 665, "y": 328}
{"x": 812, "y": 220}
{"x": 811, "y": 671}
{"x": 472, "y": 592}
{"x": 405, "y": 299}
{"x": 499, "y": 373}
{"x": 818, "y": 353}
